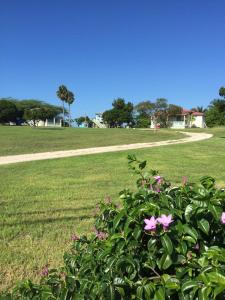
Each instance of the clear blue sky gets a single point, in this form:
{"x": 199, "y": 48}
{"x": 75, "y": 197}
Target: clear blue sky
{"x": 104, "y": 49}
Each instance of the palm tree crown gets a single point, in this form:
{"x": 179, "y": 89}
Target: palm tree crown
{"x": 62, "y": 94}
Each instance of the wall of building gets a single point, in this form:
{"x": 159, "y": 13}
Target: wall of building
{"x": 198, "y": 121}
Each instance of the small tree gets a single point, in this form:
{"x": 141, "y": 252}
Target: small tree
{"x": 70, "y": 99}
{"x": 8, "y": 111}
{"x": 121, "y": 112}
{"x": 216, "y": 111}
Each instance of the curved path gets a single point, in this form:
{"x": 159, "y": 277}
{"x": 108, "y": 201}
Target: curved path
{"x": 191, "y": 137}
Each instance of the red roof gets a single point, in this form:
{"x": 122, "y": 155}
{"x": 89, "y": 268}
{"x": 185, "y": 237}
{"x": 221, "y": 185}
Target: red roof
{"x": 186, "y": 111}
{"x": 197, "y": 113}
{"x": 193, "y": 113}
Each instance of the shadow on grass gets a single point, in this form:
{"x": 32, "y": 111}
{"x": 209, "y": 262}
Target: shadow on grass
{"x": 85, "y": 208}
{"x": 49, "y": 128}
{"x": 48, "y": 220}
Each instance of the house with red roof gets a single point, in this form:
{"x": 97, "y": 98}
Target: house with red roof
{"x": 186, "y": 119}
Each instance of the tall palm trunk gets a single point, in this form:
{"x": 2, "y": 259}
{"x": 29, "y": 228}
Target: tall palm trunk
{"x": 69, "y": 116}
{"x": 63, "y": 112}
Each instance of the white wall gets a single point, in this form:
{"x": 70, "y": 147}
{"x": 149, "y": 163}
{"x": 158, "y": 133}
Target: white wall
{"x": 198, "y": 121}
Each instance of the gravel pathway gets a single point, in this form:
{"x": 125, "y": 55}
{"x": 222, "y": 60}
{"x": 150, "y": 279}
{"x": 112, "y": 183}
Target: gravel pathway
{"x": 191, "y": 137}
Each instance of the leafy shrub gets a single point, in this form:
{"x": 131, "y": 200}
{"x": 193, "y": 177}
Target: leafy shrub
{"x": 164, "y": 242}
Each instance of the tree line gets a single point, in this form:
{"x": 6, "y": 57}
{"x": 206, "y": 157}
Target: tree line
{"x": 159, "y": 112}
{"x": 121, "y": 113}
{"x": 32, "y": 111}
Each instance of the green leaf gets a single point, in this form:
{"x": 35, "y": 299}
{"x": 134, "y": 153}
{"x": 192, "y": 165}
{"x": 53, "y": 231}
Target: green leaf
{"x": 167, "y": 244}
{"x": 218, "y": 290}
{"x": 189, "y": 285}
{"x": 216, "y": 278}
{"x": 165, "y": 262}
{"x": 118, "y": 219}
{"x": 148, "y": 288}
{"x": 216, "y": 211}
{"x": 142, "y": 165}
{"x": 203, "y": 224}
{"x": 207, "y": 181}
{"x": 203, "y": 293}
{"x": 191, "y": 231}
{"x": 139, "y": 293}
{"x": 190, "y": 239}
{"x": 121, "y": 291}
{"x": 188, "y": 212}
{"x": 160, "y": 294}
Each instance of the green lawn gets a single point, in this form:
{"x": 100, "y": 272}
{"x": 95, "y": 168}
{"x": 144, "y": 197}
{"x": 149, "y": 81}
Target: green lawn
{"x": 24, "y": 139}
{"x": 42, "y": 203}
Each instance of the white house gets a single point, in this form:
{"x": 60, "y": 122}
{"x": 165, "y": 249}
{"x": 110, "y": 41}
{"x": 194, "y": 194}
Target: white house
{"x": 98, "y": 121}
{"x": 55, "y": 122}
{"x": 187, "y": 119}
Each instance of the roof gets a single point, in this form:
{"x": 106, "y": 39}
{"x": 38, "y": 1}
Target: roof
{"x": 197, "y": 113}
{"x": 191, "y": 112}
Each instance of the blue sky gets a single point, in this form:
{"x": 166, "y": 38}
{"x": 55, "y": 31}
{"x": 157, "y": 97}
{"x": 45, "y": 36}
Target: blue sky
{"x": 104, "y": 49}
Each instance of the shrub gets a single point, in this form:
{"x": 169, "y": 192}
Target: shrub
{"x": 164, "y": 242}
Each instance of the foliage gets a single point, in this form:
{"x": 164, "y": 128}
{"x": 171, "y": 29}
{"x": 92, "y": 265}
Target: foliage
{"x": 30, "y": 109}
{"x": 65, "y": 96}
{"x": 216, "y": 111}
{"x": 119, "y": 114}
{"x": 40, "y": 111}
{"x": 85, "y": 119}
{"x": 180, "y": 259}
{"x": 222, "y": 91}
{"x": 157, "y": 112}
{"x": 199, "y": 109}
{"x": 62, "y": 94}
{"x": 70, "y": 99}
{"x": 141, "y": 121}
{"x": 8, "y": 111}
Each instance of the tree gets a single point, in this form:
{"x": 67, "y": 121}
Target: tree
{"x": 222, "y": 91}
{"x": 199, "y": 109}
{"x": 121, "y": 112}
{"x": 62, "y": 94}
{"x": 70, "y": 99}
{"x": 158, "y": 111}
{"x": 144, "y": 112}
{"x": 41, "y": 112}
{"x": 215, "y": 116}
{"x": 8, "y": 111}
{"x": 85, "y": 119}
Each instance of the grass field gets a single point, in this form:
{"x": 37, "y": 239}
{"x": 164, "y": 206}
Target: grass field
{"x": 21, "y": 140}
{"x": 42, "y": 203}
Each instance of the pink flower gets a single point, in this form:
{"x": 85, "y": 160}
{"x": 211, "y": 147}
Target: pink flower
{"x": 101, "y": 235}
{"x": 74, "y": 237}
{"x": 45, "y": 271}
{"x": 184, "y": 180}
{"x": 158, "y": 179}
{"x": 223, "y": 218}
{"x": 150, "y": 224}
{"x": 165, "y": 221}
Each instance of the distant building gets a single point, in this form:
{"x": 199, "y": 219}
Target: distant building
{"x": 98, "y": 121}
{"x": 83, "y": 125}
{"x": 55, "y": 122}
{"x": 187, "y": 119}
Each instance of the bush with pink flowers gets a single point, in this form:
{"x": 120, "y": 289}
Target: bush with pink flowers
{"x": 164, "y": 242}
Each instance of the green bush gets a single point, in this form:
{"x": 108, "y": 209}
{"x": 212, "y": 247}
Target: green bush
{"x": 163, "y": 242}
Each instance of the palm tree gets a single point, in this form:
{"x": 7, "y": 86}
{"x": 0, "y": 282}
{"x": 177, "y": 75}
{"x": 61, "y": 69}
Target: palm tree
{"x": 70, "y": 99}
{"x": 198, "y": 109}
{"x": 62, "y": 94}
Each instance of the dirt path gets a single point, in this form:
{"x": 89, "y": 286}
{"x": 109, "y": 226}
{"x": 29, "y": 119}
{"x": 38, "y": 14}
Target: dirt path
{"x": 191, "y": 137}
